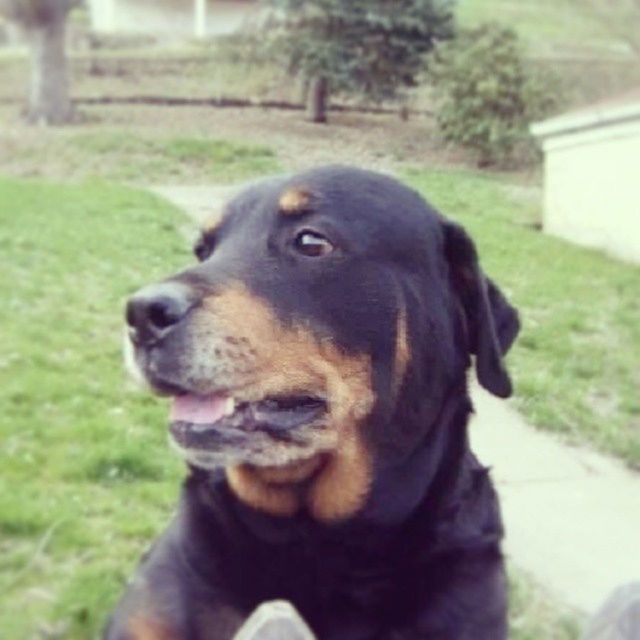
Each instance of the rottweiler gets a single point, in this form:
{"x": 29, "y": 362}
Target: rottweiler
{"x": 317, "y": 356}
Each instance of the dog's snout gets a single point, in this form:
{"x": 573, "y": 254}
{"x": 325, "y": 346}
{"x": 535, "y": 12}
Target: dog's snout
{"x": 155, "y": 310}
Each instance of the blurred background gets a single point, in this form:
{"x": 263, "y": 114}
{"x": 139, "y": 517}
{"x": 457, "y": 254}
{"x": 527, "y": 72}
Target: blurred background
{"x": 123, "y": 122}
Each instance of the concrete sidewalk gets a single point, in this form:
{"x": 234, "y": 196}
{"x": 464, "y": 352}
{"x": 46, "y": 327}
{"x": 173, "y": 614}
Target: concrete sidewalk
{"x": 200, "y": 203}
{"x": 572, "y": 516}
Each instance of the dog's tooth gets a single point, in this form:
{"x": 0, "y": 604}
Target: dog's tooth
{"x": 229, "y": 407}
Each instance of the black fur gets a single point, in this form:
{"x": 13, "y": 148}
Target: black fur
{"x": 421, "y": 559}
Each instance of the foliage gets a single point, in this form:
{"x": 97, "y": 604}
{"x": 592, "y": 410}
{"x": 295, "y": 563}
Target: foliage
{"x": 369, "y": 48}
{"x": 487, "y": 94}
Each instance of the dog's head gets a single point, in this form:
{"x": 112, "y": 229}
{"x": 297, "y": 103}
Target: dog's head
{"x": 328, "y": 317}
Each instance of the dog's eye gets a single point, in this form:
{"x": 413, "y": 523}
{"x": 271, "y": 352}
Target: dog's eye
{"x": 312, "y": 244}
{"x": 203, "y": 248}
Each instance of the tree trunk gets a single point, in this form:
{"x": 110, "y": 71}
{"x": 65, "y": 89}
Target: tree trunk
{"x": 317, "y": 98}
{"x": 49, "y": 101}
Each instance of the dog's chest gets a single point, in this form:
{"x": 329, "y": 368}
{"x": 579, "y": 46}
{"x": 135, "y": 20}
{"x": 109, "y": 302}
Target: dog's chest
{"x": 328, "y": 574}
{"x": 334, "y": 587}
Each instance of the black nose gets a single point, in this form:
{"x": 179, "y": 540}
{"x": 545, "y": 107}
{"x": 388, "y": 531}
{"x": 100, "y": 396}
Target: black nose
{"x": 155, "y": 310}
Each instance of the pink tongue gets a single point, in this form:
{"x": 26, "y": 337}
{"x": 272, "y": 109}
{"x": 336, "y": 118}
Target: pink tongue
{"x": 198, "y": 409}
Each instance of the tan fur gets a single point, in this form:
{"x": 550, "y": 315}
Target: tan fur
{"x": 209, "y": 228}
{"x": 280, "y": 501}
{"x": 273, "y": 359}
{"x": 143, "y": 627}
{"x": 294, "y": 472}
{"x": 211, "y": 223}
{"x": 294, "y": 200}
{"x": 403, "y": 351}
{"x": 270, "y": 358}
{"x": 219, "y": 621}
{"x": 342, "y": 487}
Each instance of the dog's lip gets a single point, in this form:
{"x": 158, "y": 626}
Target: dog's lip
{"x": 209, "y": 422}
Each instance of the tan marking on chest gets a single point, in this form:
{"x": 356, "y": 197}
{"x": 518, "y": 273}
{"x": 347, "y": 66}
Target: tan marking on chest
{"x": 248, "y": 487}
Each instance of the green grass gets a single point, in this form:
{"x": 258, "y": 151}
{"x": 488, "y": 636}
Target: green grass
{"x": 575, "y": 365}
{"x": 550, "y": 26}
{"x": 130, "y": 157}
{"x": 533, "y": 613}
{"x": 584, "y": 44}
{"x": 127, "y": 157}
{"x": 86, "y": 478}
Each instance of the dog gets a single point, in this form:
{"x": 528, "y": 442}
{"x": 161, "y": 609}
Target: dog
{"x": 317, "y": 355}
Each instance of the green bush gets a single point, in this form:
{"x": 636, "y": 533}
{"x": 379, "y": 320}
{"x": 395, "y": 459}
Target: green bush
{"x": 487, "y": 95}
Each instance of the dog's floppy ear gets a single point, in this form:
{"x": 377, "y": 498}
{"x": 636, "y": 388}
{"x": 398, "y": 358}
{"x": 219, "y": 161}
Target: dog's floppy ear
{"x": 492, "y": 323}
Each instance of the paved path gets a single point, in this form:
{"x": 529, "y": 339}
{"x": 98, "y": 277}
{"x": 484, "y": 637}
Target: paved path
{"x": 198, "y": 202}
{"x": 572, "y": 516}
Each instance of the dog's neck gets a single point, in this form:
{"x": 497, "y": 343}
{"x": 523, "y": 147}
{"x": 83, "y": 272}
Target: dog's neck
{"x": 420, "y": 481}
{"x": 425, "y": 477}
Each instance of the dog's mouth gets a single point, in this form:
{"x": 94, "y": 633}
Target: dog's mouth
{"x": 215, "y": 428}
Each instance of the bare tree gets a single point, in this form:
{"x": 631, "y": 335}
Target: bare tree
{"x": 44, "y": 21}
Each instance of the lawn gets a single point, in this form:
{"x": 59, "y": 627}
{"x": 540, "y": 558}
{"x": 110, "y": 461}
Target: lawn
{"x": 575, "y": 365}
{"x": 118, "y": 154}
{"x": 87, "y": 479}
{"x": 570, "y": 41}
{"x": 550, "y": 27}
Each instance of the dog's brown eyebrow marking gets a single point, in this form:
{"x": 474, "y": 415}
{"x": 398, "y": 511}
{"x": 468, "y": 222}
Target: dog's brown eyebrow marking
{"x": 210, "y": 226}
{"x": 294, "y": 201}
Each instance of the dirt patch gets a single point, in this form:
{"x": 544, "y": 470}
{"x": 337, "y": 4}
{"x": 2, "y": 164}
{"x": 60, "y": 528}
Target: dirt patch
{"x": 378, "y": 141}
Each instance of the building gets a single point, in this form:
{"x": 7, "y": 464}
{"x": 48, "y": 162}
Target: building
{"x": 592, "y": 176}
{"x": 195, "y": 18}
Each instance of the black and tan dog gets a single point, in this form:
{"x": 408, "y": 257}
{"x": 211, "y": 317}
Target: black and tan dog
{"x": 318, "y": 356}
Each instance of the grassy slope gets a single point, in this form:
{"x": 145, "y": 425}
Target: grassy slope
{"x": 533, "y": 614}
{"x": 548, "y": 26}
{"x": 86, "y": 476}
{"x": 87, "y": 480}
{"x": 575, "y": 364}
{"x": 116, "y": 154}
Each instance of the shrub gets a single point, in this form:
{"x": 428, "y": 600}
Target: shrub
{"x": 487, "y": 94}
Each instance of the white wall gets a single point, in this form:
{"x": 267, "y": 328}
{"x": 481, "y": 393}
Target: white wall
{"x": 592, "y": 188}
{"x": 166, "y": 17}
